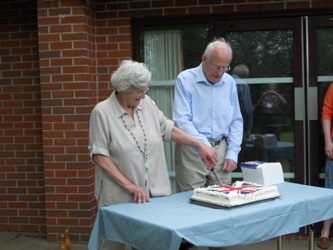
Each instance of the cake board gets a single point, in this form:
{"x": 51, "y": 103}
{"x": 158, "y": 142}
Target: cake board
{"x": 201, "y": 203}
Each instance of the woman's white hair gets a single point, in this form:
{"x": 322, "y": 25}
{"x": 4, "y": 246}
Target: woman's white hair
{"x": 131, "y": 76}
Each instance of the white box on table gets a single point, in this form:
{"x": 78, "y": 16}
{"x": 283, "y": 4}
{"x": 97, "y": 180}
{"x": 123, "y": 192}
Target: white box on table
{"x": 264, "y": 173}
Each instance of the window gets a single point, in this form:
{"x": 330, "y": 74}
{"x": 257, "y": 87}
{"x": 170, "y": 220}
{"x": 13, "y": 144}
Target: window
{"x": 167, "y": 51}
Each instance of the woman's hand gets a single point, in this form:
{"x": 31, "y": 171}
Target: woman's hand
{"x": 329, "y": 149}
{"x": 140, "y": 195}
{"x": 112, "y": 170}
{"x": 327, "y": 137}
{"x": 208, "y": 155}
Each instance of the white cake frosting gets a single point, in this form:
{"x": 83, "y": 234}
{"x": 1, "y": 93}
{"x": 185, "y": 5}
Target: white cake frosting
{"x": 236, "y": 194}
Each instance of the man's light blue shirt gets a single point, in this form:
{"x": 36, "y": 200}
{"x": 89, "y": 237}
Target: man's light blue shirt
{"x": 207, "y": 111}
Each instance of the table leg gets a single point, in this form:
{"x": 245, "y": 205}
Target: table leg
{"x": 311, "y": 237}
{"x": 279, "y": 243}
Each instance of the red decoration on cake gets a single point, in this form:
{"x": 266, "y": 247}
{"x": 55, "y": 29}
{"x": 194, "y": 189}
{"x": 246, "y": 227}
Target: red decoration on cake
{"x": 244, "y": 189}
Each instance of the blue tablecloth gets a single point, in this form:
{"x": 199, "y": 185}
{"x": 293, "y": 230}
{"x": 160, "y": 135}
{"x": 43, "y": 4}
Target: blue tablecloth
{"x": 164, "y": 222}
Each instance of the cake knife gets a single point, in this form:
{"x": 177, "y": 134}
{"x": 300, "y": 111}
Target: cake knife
{"x": 216, "y": 176}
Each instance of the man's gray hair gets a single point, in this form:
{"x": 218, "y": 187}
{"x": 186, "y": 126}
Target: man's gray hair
{"x": 217, "y": 43}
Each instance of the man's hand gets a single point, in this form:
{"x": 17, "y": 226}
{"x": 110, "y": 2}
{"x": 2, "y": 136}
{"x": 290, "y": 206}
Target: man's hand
{"x": 229, "y": 165}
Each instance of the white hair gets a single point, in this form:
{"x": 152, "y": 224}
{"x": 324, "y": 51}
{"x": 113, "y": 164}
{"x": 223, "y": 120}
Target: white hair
{"x": 131, "y": 76}
{"x": 219, "y": 43}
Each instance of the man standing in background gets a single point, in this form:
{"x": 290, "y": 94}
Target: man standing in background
{"x": 239, "y": 72}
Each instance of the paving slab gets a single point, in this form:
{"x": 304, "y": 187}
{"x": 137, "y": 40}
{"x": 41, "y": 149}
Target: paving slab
{"x": 37, "y": 241}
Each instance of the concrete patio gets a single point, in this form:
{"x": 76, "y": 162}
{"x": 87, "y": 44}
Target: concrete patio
{"x": 36, "y": 241}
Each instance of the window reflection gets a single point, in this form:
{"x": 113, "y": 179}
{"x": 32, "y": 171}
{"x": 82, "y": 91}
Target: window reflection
{"x": 269, "y": 57}
{"x": 167, "y": 51}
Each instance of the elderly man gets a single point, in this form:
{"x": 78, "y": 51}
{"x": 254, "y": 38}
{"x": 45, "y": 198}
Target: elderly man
{"x": 206, "y": 107}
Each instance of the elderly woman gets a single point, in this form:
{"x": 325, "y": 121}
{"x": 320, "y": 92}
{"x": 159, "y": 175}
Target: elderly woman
{"x": 126, "y": 137}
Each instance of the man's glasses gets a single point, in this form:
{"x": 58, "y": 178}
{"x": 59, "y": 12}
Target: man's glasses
{"x": 218, "y": 68}
{"x": 142, "y": 92}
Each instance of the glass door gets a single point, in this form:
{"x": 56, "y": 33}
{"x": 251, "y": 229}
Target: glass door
{"x": 320, "y": 37}
{"x": 291, "y": 57}
{"x": 297, "y": 55}
{"x": 271, "y": 49}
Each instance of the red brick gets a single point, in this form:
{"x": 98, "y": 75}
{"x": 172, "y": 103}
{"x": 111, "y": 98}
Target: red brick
{"x": 74, "y": 69}
{"x": 248, "y": 8}
{"x": 60, "y": 45}
{"x": 63, "y": 62}
{"x": 298, "y": 5}
{"x": 73, "y": 20}
{"x": 74, "y": 36}
{"x": 82, "y": 61}
{"x": 66, "y": 190}
{"x": 27, "y": 65}
{"x": 48, "y": 21}
{"x": 64, "y": 158}
{"x": 18, "y": 220}
{"x": 322, "y": 4}
{"x": 27, "y": 213}
{"x": 186, "y": 3}
{"x": 140, "y": 13}
{"x": 20, "y": 51}
{"x": 50, "y": 71}
{"x": 237, "y": 1}
{"x": 68, "y": 221}
{"x": 209, "y": 2}
{"x": 163, "y": 4}
{"x": 198, "y": 10}
{"x": 59, "y": 11}
{"x": 64, "y": 126}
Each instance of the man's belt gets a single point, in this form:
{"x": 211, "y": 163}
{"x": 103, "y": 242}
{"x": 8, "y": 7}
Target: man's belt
{"x": 215, "y": 143}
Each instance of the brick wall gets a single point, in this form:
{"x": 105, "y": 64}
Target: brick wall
{"x": 56, "y": 58}
{"x": 67, "y": 72}
{"x": 22, "y": 203}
